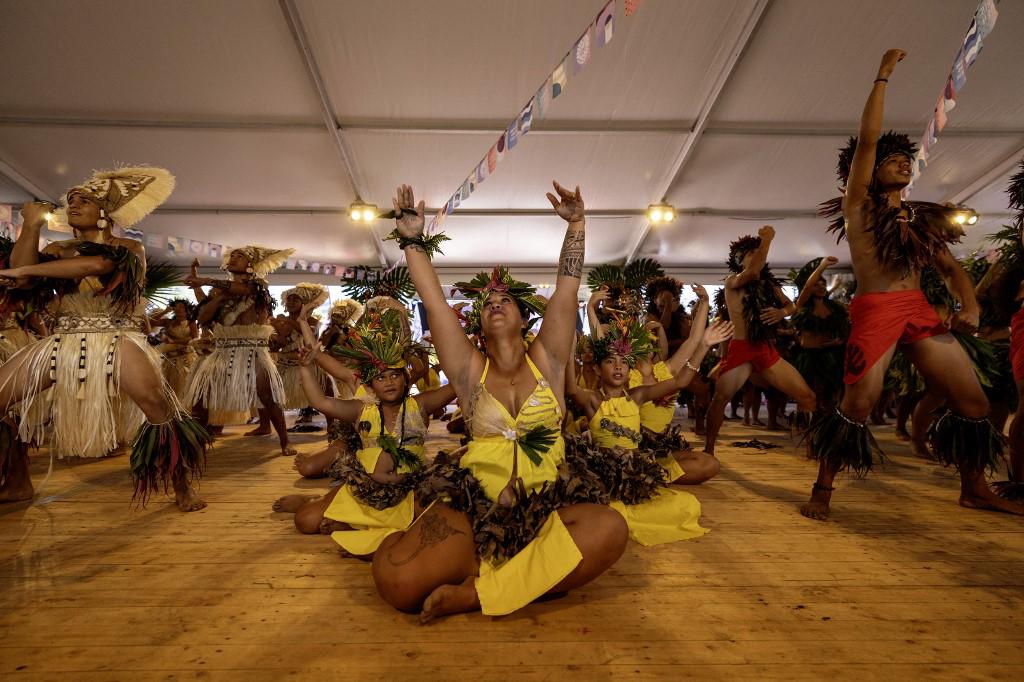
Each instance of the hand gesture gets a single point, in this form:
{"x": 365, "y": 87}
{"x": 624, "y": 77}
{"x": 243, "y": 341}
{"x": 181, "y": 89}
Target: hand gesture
{"x": 568, "y": 205}
{"x": 719, "y": 331}
{"x": 766, "y": 232}
{"x": 652, "y": 325}
{"x": 598, "y": 296}
{"x": 307, "y": 355}
{"x": 700, "y": 291}
{"x": 828, "y": 261}
{"x": 33, "y": 213}
{"x": 195, "y": 281}
{"x": 307, "y": 308}
{"x": 410, "y": 222}
{"x": 772, "y": 315}
{"x": 889, "y": 61}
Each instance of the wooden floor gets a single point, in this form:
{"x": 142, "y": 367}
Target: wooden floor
{"x": 900, "y": 583}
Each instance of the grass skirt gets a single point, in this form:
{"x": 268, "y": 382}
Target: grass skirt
{"x": 225, "y": 380}
{"x": 84, "y": 413}
{"x": 178, "y": 363}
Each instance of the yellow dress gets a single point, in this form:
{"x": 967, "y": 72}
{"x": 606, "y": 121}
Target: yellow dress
{"x": 551, "y": 555}
{"x": 657, "y": 417}
{"x": 371, "y": 526}
{"x": 671, "y": 514}
{"x": 430, "y": 382}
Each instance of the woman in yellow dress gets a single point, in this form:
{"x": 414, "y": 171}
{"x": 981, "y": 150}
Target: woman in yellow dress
{"x": 518, "y": 533}
{"x": 636, "y": 478}
{"x": 656, "y": 429}
{"x": 376, "y": 496}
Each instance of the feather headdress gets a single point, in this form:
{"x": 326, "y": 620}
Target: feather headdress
{"x": 626, "y": 338}
{"x": 307, "y": 293}
{"x": 376, "y": 344}
{"x": 498, "y": 281}
{"x": 346, "y": 311}
{"x": 262, "y": 259}
{"x": 126, "y": 195}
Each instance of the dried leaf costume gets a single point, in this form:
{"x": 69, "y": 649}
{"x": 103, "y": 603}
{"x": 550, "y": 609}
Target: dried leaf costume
{"x": 905, "y": 244}
{"x": 523, "y": 546}
{"x": 636, "y": 477}
{"x": 179, "y": 356}
{"x": 225, "y": 380}
{"x": 84, "y": 413}
{"x": 821, "y": 368}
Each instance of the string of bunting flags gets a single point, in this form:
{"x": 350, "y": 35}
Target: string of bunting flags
{"x": 598, "y": 33}
{"x": 982, "y": 23}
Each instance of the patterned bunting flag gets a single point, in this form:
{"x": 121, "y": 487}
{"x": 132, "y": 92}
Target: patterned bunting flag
{"x": 512, "y": 134}
{"x": 560, "y": 78}
{"x": 632, "y": 6}
{"x": 214, "y": 250}
{"x": 196, "y": 248}
{"x": 986, "y": 16}
{"x": 581, "y": 53}
{"x": 176, "y": 246}
{"x": 525, "y": 118}
{"x": 291, "y": 263}
{"x": 940, "y": 114}
{"x": 605, "y": 24}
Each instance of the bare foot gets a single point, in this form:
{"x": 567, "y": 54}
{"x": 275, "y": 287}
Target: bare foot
{"x": 901, "y": 434}
{"x": 817, "y": 507}
{"x": 449, "y": 599}
{"x": 921, "y": 450}
{"x": 16, "y": 491}
{"x": 290, "y": 504}
{"x": 1009, "y": 490}
{"x": 988, "y": 500}
{"x": 259, "y": 431}
{"x": 187, "y": 499}
{"x": 288, "y": 451}
{"x": 328, "y": 526}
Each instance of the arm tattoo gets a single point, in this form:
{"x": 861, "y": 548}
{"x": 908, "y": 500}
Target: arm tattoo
{"x": 221, "y": 284}
{"x": 435, "y": 529}
{"x": 570, "y": 261}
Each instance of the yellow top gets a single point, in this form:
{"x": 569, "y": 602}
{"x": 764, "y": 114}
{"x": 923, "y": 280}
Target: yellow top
{"x": 493, "y": 450}
{"x": 370, "y": 526}
{"x": 617, "y": 423}
{"x": 652, "y": 415}
{"x": 551, "y": 555}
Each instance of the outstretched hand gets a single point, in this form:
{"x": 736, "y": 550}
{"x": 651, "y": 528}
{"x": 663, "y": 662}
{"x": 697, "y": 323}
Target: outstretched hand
{"x": 410, "y": 222}
{"x": 700, "y": 291}
{"x": 568, "y": 205}
{"x": 33, "y": 213}
{"x": 720, "y": 330}
{"x": 307, "y": 308}
{"x": 307, "y": 355}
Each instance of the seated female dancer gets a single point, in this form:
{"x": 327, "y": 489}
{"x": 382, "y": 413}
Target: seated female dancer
{"x": 656, "y": 429}
{"x": 375, "y": 497}
{"x": 634, "y": 475}
{"x": 518, "y": 535}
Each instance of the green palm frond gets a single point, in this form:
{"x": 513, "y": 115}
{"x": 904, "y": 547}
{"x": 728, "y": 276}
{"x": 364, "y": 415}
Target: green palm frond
{"x": 161, "y": 277}
{"x": 641, "y": 271}
{"x": 605, "y": 275}
{"x": 396, "y": 283}
{"x": 537, "y": 441}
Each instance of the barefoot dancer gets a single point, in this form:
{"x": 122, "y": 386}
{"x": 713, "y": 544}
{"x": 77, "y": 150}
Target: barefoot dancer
{"x": 96, "y": 376}
{"x": 756, "y": 304}
{"x": 518, "y": 539}
{"x": 891, "y": 241}
{"x": 177, "y": 336}
{"x": 634, "y": 476}
{"x": 239, "y": 374}
{"x": 823, "y": 326}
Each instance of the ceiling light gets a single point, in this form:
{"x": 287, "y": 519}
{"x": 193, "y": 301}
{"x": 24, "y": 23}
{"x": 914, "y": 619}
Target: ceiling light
{"x": 362, "y": 213}
{"x": 661, "y": 213}
{"x": 965, "y": 215}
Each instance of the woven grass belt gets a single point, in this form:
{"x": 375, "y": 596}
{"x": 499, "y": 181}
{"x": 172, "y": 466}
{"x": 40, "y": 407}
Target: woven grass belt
{"x": 96, "y": 324}
{"x": 241, "y": 343}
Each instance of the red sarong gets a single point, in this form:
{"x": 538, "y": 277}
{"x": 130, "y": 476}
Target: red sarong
{"x": 880, "y": 320}
{"x": 740, "y": 351}
{"x": 1017, "y": 345}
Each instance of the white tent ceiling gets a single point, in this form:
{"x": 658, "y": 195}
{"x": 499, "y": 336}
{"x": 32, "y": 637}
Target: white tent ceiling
{"x": 732, "y": 110}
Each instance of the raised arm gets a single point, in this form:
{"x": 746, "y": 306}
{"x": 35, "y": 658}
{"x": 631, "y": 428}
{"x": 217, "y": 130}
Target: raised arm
{"x": 26, "y": 248}
{"x": 454, "y": 350}
{"x": 716, "y": 333}
{"x": 966, "y": 320}
{"x": 596, "y": 328}
{"x": 686, "y": 350}
{"x": 757, "y": 261}
{"x": 345, "y": 410}
{"x": 558, "y": 329}
{"x": 432, "y": 401}
{"x": 862, "y": 167}
{"x": 819, "y": 272}
{"x": 63, "y": 268}
{"x": 659, "y": 331}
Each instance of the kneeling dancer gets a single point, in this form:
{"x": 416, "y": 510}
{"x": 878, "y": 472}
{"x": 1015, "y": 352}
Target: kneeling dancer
{"x": 95, "y": 380}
